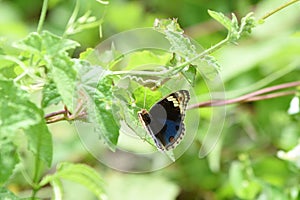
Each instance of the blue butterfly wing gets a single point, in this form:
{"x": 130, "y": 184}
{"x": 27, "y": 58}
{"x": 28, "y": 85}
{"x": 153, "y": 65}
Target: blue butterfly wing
{"x": 166, "y": 120}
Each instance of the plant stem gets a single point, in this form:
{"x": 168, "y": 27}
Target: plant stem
{"x": 232, "y": 101}
{"x": 278, "y": 9}
{"x": 50, "y": 115}
{"x": 72, "y": 19}
{"x": 36, "y": 177}
{"x": 43, "y": 15}
{"x": 271, "y": 96}
{"x": 253, "y": 96}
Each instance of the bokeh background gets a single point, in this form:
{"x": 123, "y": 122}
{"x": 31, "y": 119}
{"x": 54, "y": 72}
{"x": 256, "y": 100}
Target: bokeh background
{"x": 244, "y": 163}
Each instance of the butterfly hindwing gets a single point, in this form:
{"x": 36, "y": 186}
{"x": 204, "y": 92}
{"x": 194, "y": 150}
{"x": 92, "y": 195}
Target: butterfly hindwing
{"x": 164, "y": 121}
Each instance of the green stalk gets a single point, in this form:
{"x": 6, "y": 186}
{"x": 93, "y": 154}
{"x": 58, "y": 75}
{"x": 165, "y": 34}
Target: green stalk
{"x": 278, "y": 9}
{"x": 36, "y": 177}
{"x": 43, "y": 16}
{"x": 71, "y": 22}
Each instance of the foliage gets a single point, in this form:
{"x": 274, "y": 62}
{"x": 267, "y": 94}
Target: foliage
{"x": 79, "y": 173}
{"x": 40, "y": 72}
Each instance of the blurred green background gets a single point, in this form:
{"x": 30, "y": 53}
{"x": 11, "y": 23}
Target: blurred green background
{"x": 244, "y": 163}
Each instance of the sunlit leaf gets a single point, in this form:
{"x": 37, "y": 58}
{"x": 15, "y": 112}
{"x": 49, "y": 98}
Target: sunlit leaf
{"x": 50, "y": 95}
{"x": 64, "y": 76}
{"x": 221, "y": 18}
{"x": 145, "y": 98}
{"x": 184, "y": 49}
{"x": 40, "y": 142}
{"x": 144, "y": 58}
{"x": 78, "y": 173}
{"x": 45, "y": 43}
{"x": 8, "y": 159}
{"x": 52, "y": 50}
{"x": 19, "y": 111}
{"x": 103, "y": 99}
{"x": 96, "y": 88}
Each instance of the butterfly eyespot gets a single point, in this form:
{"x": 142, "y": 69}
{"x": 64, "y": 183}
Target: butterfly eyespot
{"x": 171, "y": 139}
{"x": 177, "y": 128}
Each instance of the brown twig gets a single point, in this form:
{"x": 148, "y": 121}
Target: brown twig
{"x": 253, "y": 96}
{"x": 53, "y": 114}
{"x": 271, "y": 96}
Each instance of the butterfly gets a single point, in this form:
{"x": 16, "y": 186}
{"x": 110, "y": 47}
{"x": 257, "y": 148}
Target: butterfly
{"x": 164, "y": 121}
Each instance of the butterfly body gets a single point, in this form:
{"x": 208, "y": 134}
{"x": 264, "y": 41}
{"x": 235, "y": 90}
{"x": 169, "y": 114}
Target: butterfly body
{"x": 164, "y": 121}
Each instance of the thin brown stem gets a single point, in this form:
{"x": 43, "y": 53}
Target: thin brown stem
{"x": 253, "y": 96}
{"x": 271, "y": 96}
{"x": 278, "y": 9}
{"x": 55, "y": 119}
{"x": 250, "y": 99}
{"x": 50, "y": 115}
{"x": 268, "y": 89}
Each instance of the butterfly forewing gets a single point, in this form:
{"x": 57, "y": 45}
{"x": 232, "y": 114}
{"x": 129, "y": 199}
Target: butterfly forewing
{"x": 164, "y": 121}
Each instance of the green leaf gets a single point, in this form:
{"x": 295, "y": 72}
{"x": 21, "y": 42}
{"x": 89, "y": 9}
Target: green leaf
{"x": 52, "y": 50}
{"x": 8, "y": 159}
{"x": 145, "y": 97}
{"x": 144, "y": 58}
{"x": 78, "y": 173}
{"x": 107, "y": 58}
{"x": 86, "y": 54}
{"x": 103, "y": 100}
{"x": 235, "y": 31}
{"x": 180, "y": 44}
{"x": 40, "y": 142}
{"x": 64, "y": 76}
{"x": 190, "y": 74}
{"x": 208, "y": 66}
{"x": 45, "y": 43}
{"x": 184, "y": 49}
{"x": 19, "y": 111}
{"x": 7, "y": 195}
{"x": 165, "y": 25}
{"x": 50, "y": 95}
{"x": 221, "y": 18}
{"x": 96, "y": 88}
{"x": 54, "y": 44}
{"x": 32, "y": 43}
